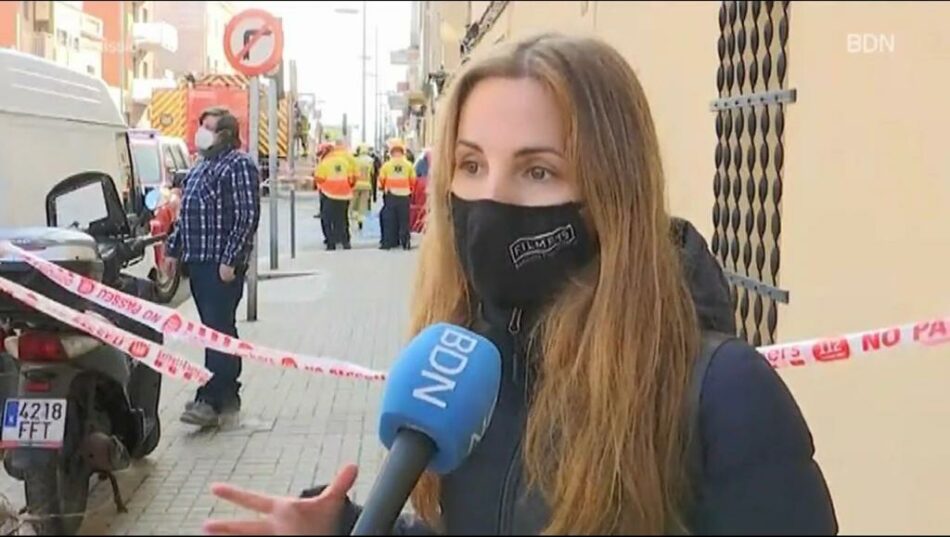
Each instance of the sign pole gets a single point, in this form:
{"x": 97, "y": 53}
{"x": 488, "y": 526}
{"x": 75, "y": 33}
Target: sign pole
{"x": 252, "y": 146}
{"x": 376, "y": 89}
{"x": 272, "y": 166}
{"x": 253, "y": 45}
{"x": 363, "y": 63}
{"x": 292, "y": 157}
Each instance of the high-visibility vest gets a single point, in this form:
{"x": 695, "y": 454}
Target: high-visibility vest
{"x": 336, "y": 174}
{"x": 365, "y": 165}
{"x": 397, "y": 177}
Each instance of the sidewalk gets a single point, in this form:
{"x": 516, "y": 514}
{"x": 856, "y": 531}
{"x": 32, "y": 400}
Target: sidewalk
{"x": 297, "y": 428}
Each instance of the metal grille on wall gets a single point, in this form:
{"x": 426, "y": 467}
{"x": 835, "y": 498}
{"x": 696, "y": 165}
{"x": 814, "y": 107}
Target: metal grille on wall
{"x": 750, "y": 154}
{"x": 477, "y": 30}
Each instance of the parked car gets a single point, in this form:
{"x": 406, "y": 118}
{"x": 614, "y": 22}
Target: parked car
{"x": 161, "y": 162}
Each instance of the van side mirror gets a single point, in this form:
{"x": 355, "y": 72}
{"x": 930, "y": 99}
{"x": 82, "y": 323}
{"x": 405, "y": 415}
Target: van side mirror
{"x": 152, "y": 199}
{"x": 150, "y": 202}
{"x": 87, "y": 202}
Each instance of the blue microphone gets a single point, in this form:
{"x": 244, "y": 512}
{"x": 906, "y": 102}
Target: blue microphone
{"x": 437, "y": 403}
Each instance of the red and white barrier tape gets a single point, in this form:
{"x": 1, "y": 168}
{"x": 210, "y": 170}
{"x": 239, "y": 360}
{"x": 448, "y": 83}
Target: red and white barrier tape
{"x": 149, "y": 353}
{"x": 833, "y": 349}
{"x": 174, "y": 325}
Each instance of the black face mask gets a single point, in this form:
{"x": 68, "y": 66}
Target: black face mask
{"x": 516, "y": 256}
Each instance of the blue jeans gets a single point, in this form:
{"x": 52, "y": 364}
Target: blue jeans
{"x": 217, "y": 305}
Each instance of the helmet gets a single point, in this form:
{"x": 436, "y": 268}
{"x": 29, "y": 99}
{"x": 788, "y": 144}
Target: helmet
{"x": 397, "y": 145}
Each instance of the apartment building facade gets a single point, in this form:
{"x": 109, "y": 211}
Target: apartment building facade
{"x": 115, "y": 41}
{"x": 200, "y": 28}
{"x": 59, "y": 31}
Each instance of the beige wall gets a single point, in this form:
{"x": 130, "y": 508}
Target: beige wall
{"x": 680, "y": 82}
{"x": 866, "y": 218}
{"x": 572, "y": 16}
{"x": 867, "y": 200}
{"x": 452, "y": 19}
{"x": 672, "y": 48}
{"x": 477, "y": 9}
{"x": 443, "y": 23}
{"x": 866, "y": 243}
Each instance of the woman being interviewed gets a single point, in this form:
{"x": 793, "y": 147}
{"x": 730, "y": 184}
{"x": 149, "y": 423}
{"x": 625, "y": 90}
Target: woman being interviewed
{"x": 547, "y": 233}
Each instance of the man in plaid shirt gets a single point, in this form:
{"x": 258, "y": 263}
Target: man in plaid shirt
{"x": 219, "y": 215}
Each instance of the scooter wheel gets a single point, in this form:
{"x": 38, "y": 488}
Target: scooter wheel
{"x": 57, "y": 497}
{"x": 166, "y": 286}
{"x": 150, "y": 443}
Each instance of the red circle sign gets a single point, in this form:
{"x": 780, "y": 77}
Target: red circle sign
{"x": 254, "y": 42}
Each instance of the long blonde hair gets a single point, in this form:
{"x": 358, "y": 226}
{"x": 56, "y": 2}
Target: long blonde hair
{"x": 605, "y": 440}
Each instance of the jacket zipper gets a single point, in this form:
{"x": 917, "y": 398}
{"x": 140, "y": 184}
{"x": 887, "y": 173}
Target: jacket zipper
{"x": 514, "y": 329}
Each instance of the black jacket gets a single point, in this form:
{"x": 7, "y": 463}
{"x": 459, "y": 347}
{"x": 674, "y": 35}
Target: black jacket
{"x": 756, "y": 474}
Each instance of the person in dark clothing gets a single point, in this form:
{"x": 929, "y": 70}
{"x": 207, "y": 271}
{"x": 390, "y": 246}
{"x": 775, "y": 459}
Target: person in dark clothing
{"x": 323, "y": 150}
{"x": 219, "y": 216}
{"x": 622, "y": 408}
{"x": 377, "y": 164}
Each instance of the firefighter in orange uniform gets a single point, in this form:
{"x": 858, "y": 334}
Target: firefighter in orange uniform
{"x": 362, "y": 195}
{"x": 396, "y": 179}
{"x": 336, "y": 175}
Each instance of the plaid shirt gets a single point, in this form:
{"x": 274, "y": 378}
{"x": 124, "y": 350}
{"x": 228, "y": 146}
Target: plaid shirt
{"x": 220, "y": 211}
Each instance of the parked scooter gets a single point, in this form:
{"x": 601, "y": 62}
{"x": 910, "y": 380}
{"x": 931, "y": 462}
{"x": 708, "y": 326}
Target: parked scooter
{"x": 82, "y": 408}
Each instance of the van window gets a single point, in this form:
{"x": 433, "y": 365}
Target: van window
{"x": 125, "y": 183}
{"x": 181, "y": 157}
{"x": 147, "y": 164}
{"x": 171, "y": 154}
{"x": 168, "y": 160}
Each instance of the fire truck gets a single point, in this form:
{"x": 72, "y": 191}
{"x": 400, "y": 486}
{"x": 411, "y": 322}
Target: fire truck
{"x": 175, "y": 112}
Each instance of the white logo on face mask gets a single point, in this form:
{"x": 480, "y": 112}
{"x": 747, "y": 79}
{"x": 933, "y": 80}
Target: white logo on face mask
{"x": 204, "y": 138}
{"x": 528, "y": 249}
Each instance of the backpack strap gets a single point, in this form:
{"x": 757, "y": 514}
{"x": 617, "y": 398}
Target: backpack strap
{"x": 695, "y": 455}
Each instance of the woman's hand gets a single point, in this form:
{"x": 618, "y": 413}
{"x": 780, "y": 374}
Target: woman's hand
{"x": 286, "y": 515}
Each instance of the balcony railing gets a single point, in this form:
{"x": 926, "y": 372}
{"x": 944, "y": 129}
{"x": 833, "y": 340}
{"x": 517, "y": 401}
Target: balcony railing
{"x": 91, "y": 27}
{"x": 44, "y": 46}
{"x": 155, "y": 36}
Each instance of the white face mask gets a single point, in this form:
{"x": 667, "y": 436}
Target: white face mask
{"x": 204, "y": 138}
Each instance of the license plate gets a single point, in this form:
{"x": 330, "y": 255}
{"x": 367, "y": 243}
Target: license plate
{"x": 34, "y": 423}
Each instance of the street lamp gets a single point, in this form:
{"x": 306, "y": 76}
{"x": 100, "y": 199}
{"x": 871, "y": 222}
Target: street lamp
{"x": 363, "y": 58}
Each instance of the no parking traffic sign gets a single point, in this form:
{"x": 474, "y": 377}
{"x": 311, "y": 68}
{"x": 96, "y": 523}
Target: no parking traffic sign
{"x": 254, "y": 42}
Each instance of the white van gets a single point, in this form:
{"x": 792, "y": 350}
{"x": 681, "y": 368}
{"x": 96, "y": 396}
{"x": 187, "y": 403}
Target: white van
{"x": 55, "y": 123}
